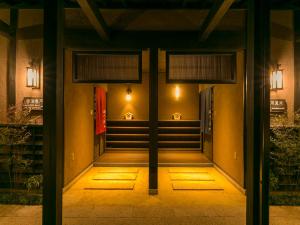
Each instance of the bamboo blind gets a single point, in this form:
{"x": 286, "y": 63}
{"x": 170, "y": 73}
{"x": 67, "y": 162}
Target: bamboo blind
{"x": 200, "y": 67}
{"x": 106, "y": 67}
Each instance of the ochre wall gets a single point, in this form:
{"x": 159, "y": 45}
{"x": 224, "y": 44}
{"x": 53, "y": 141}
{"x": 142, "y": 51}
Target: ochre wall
{"x": 117, "y": 105}
{"x": 188, "y": 102}
{"x": 79, "y": 124}
{"x": 282, "y": 52}
{"x": 228, "y": 124}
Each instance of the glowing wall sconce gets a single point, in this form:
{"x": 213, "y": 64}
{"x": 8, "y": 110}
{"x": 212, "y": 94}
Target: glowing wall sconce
{"x": 276, "y": 80}
{"x": 177, "y": 92}
{"x": 128, "y": 95}
{"x": 33, "y": 76}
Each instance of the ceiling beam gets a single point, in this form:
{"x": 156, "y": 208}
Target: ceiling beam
{"x": 92, "y": 12}
{"x": 4, "y": 29}
{"x": 214, "y": 16}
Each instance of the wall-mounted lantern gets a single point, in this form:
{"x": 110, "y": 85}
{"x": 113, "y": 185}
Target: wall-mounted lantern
{"x": 128, "y": 94}
{"x": 33, "y": 76}
{"x": 276, "y": 80}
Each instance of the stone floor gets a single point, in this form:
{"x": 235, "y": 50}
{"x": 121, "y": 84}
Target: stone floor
{"x": 136, "y": 207}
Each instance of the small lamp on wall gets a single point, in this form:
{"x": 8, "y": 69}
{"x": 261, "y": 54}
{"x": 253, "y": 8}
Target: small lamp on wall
{"x": 33, "y": 76}
{"x": 128, "y": 94}
{"x": 276, "y": 79}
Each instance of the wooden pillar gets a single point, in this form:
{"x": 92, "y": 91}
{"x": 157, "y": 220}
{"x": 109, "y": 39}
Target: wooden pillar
{"x": 53, "y": 112}
{"x": 297, "y": 58}
{"x": 11, "y": 81}
{"x": 153, "y": 118}
{"x": 258, "y": 114}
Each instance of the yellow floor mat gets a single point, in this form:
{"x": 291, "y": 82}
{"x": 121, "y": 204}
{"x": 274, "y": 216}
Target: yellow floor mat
{"x": 110, "y": 185}
{"x": 191, "y": 176}
{"x": 196, "y": 185}
{"x": 117, "y": 170}
{"x": 115, "y": 176}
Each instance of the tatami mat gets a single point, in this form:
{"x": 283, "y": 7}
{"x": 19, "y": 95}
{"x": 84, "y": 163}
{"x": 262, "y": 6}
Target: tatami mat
{"x": 115, "y": 176}
{"x": 196, "y": 185}
{"x": 191, "y": 176}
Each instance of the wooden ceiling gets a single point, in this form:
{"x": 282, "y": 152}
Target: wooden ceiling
{"x": 149, "y": 4}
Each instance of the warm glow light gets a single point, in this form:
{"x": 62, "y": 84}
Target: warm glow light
{"x": 177, "y": 92}
{"x": 276, "y": 81}
{"x": 128, "y": 96}
{"x": 32, "y": 78}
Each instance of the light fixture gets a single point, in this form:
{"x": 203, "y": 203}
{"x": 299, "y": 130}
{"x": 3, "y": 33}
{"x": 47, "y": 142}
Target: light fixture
{"x": 128, "y": 95}
{"x": 177, "y": 92}
{"x": 33, "y": 76}
{"x": 276, "y": 79}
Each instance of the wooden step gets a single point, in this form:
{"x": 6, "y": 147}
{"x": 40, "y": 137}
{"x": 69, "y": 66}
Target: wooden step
{"x": 180, "y": 149}
{"x": 125, "y": 149}
{"x": 127, "y": 144}
{"x": 128, "y": 123}
{"x": 127, "y": 137}
{"x": 179, "y": 144}
{"x": 179, "y": 123}
{"x": 179, "y": 137}
{"x": 179, "y": 130}
{"x": 127, "y": 130}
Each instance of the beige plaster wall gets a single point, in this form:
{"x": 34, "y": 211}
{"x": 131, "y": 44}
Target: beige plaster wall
{"x": 282, "y": 52}
{"x": 117, "y": 105}
{"x": 188, "y": 102}
{"x": 228, "y": 124}
{"x": 79, "y": 124}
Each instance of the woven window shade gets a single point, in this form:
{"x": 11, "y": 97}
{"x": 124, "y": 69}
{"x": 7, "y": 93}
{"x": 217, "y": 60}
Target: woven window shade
{"x": 218, "y": 68}
{"x": 106, "y": 67}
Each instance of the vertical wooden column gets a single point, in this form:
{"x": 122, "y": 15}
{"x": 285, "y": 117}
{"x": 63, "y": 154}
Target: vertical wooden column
{"x": 153, "y": 118}
{"x": 11, "y": 81}
{"x": 258, "y": 112}
{"x": 53, "y": 112}
{"x": 297, "y": 58}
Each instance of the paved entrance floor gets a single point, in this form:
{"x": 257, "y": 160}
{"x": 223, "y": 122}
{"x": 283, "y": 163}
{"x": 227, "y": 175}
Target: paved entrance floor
{"x": 86, "y": 206}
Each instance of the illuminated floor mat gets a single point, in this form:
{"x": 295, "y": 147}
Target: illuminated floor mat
{"x": 115, "y": 176}
{"x": 196, "y": 185}
{"x": 191, "y": 176}
{"x": 187, "y": 170}
{"x": 110, "y": 185}
{"x": 117, "y": 170}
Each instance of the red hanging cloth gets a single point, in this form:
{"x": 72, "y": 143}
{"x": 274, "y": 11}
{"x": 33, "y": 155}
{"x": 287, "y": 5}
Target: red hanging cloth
{"x": 100, "y": 110}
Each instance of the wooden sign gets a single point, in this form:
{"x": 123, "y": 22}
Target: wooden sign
{"x": 278, "y": 106}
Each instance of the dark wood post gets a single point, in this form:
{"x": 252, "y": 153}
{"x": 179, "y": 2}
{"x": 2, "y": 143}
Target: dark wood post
{"x": 153, "y": 118}
{"x": 258, "y": 112}
{"x": 11, "y": 87}
{"x": 53, "y": 112}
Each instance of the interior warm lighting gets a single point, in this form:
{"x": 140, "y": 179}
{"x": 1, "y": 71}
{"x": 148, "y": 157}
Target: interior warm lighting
{"x": 128, "y": 95}
{"x": 177, "y": 92}
{"x": 32, "y": 77}
{"x": 276, "y": 80}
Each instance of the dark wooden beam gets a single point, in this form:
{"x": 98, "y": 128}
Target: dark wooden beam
{"x": 4, "y": 29}
{"x": 93, "y": 14}
{"x": 53, "y": 148}
{"x": 219, "y": 40}
{"x": 214, "y": 17}
{"x": 258, "y": 112}
{"x": 153, "y": 122}
{"x": 11, "y": 81}
{"x": 297, "y": 59}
